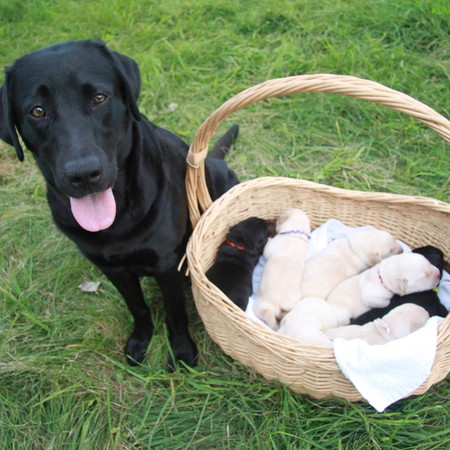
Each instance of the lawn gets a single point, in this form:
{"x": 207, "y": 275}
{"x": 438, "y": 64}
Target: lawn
{"x": 63, "y": 380}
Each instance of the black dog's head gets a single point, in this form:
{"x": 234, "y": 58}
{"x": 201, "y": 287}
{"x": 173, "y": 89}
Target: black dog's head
{"x": 250, "y": 234}
{"x": 73, "y": 103}
{"x": 434, "y": 255}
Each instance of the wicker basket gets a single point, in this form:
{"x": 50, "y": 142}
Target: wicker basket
{"x": 416, "y": 220}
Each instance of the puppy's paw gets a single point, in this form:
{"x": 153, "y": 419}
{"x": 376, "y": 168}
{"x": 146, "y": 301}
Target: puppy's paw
{"x": 136, "y": 349}
{"x": 184, "y": 352}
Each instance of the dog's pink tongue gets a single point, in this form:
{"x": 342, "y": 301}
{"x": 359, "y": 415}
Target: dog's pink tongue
{"x": 94, "y": 212}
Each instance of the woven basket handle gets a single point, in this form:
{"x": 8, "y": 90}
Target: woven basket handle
{"x": 197, "y": 191}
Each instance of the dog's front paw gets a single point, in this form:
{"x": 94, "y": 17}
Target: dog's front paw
{"x": 185, "y": 353}
{"x": 136, "y": 349}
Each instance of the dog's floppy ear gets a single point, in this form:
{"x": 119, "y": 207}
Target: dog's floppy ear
{"x": 130, "y": 77}
{"x": 402, "y": 286}
{"x": 382, "y": 327}
{"x": 8, "y": 131}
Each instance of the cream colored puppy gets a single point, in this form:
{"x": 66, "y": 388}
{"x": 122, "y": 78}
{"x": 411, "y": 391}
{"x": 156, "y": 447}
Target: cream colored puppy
{"x": 345, "y": 257}
{"x": 285, "y": 253}
{"x": 309, "y": 319}
{"x": 398, "y": 323}
{"x": 374, "y": 288}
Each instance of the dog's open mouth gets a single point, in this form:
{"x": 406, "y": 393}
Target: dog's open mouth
{"x": 94, "y": 212}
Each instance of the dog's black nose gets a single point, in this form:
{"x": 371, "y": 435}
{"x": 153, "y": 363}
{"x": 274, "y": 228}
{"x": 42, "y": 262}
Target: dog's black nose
{"x": 83, "y": 173}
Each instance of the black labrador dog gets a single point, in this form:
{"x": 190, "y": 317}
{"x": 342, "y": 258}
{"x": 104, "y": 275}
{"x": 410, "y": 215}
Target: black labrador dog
{"x": 115, "y": 181}
{"x": 237, "y": 256}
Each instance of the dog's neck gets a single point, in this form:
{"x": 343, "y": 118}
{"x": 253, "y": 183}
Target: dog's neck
{"x": 299, "y": 233}
{"x": 236, "y": 246}
{"x": 383, "y": 283}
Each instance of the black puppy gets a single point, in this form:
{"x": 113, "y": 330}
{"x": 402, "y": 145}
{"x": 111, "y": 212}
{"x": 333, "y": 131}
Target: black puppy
{"x": 115, "y": 181}
{"x": 427, "y": 299}
{"x": 236, "y": 259}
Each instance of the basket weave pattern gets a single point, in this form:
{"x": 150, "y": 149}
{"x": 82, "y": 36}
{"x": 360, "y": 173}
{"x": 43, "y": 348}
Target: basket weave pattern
{"x": 415, "y": 220}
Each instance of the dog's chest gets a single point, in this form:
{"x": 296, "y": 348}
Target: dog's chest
{"x": 140, "y": 262}
{"x": 145, "y": 261}
{"x": 142, "y": 259}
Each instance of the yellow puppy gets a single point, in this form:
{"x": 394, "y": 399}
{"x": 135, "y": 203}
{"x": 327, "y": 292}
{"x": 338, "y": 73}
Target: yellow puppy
{"x": 398, "y": 323}
{"x": 285, "y": 253}
{"x": 374, "y": 288}
{"x": 309, "y": 319}
{"x": 345, "y": 257}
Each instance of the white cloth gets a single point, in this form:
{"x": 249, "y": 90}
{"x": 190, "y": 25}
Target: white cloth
{"x": 328, "y": 232}
{"x": 444, "y": 290}
{"x": 256, "y": 280}
{"x": 383, "y": 374}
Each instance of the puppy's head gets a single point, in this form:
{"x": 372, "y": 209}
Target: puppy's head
{"x": 372, "y": 245}
{"x": 251, "y": 234}
{"x": 433, "y": 254}
{"x": 402, "y": 320}
{"x": 408, "y": 273}
{"x": 293, "y": 219}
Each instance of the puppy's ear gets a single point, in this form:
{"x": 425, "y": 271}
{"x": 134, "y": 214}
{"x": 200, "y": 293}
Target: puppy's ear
{"x": 130, "y": 77}
{"x": 373, "y": 258}
{"x": 402, "y": 286}
{"x": 361, "y": 247}
{"x": 382, "y": 327}
{"x": 271, "y": 227}
{"x": 282, "y": 218}
{"x": 8, "y": 131}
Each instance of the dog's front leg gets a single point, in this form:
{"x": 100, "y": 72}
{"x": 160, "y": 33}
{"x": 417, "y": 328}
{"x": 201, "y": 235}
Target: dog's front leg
{"x": 129, "y": 286}
{"x": 183, "y": 347}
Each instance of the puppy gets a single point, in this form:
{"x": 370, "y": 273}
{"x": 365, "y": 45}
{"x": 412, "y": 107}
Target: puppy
{"x": 426, "y": 299}
{"x": 345, "y": 257}
{"x": 236, "y": 259}
{"x": 433, "y": 254}
{"x": 279, "y": 289}
{"x": 375, "y": 287}
{"x": 398, "y": 323}
{"x": 309, "y": 318}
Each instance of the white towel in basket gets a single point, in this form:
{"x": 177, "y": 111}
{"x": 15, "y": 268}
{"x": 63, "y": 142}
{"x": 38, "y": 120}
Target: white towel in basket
{"x": 383, "y": 374}
{"x": 444, "y": 290}
{"x": 331, "y": 230}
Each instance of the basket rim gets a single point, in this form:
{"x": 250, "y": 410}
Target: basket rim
{"x": 369, "y": 196}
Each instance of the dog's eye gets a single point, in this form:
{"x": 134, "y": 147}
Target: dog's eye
{"x": 38, "y": 112}
{"x": 99, "y": 98}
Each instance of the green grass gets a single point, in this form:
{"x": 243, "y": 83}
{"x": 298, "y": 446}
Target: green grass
{"x": 63, "y": 381}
